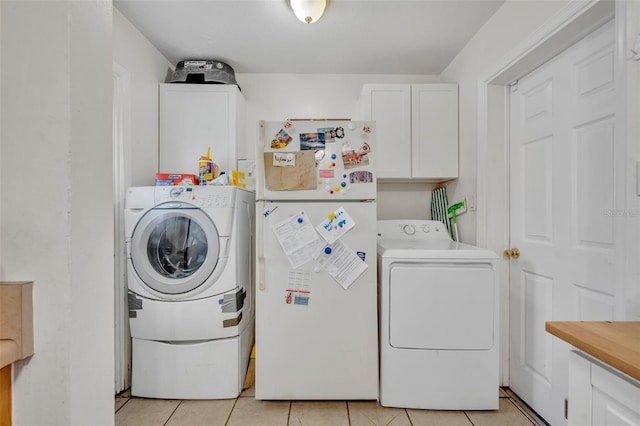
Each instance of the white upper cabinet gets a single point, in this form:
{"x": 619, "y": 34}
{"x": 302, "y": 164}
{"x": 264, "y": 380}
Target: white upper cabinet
{"x": 389, "y": 105}
{"x": 194, "y": 117}
{"x": 417, "y": 129}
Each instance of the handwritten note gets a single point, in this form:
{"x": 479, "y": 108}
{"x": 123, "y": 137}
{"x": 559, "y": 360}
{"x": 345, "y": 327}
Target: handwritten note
{"x": 284, "y": 159}
{"x": 336, "y": 225}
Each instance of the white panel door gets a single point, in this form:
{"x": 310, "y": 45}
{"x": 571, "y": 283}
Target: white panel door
{"x": 567, "y": 166}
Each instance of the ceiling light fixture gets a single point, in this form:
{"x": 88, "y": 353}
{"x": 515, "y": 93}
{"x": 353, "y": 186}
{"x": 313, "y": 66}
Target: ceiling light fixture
{"x": 308, "y": 11}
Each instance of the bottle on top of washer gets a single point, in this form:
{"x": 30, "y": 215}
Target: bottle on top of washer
{"x": 207, "y": 169}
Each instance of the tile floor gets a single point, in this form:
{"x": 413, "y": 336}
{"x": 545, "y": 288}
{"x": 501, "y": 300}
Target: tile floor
{"x": 247, "y": 411}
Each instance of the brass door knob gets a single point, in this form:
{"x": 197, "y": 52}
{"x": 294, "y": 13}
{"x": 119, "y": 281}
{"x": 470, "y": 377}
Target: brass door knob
{"x": 513, "y": 253}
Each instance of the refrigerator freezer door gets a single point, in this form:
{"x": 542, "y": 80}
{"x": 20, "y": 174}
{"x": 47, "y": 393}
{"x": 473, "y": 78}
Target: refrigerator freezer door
{"x": 314, "y": 338}
{"x": 316, "y": 160}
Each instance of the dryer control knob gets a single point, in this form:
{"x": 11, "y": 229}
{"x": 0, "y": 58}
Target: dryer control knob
{"x": 409, "y": 229}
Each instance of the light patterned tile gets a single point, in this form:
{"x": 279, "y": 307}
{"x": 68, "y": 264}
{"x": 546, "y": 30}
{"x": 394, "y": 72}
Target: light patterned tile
{"x": 145, "y": 412}
{"x": 507, "y": 415}
{"x": 202, "y": 412}
{"x": 119, "y": 402}
{"x": 319, "y": 413}
{"x": 438, "y": 418}
{"x": 371, "y": 413}
{"x": 250, "y": 411}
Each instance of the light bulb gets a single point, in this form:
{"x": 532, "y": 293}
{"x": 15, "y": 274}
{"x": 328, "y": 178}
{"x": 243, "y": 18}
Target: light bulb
{"x": 308, "y": 11}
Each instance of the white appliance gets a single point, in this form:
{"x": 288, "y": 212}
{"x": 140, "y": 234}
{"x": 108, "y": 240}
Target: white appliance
{"x": 439, "y": 346}
{"x": 316, "y": 297}
{"x": 189, "y": 251}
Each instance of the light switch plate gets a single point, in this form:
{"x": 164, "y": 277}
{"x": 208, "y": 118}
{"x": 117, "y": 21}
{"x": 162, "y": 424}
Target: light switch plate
{"x": 638, "y": 178}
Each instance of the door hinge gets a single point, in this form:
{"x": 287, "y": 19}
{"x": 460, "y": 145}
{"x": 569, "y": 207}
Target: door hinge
{"x": 514, "y": 86}
{"x": 566, "y": 408}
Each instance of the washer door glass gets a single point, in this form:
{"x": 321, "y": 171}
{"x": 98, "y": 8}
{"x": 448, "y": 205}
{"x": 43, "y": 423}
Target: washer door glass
{"x": 177, "y": 247}
{"x": 175, "y": 250}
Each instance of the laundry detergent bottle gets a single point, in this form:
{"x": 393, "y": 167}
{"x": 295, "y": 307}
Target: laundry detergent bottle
{"x": 205, "y": 168}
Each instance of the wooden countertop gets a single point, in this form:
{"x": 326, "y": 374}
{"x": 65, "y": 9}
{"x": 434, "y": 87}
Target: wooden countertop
{"x": 616, "y": 343}
{"x": 8, "y": 352}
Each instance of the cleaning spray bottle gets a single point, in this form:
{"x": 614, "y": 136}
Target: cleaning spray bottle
{"x": 205, "y": 168}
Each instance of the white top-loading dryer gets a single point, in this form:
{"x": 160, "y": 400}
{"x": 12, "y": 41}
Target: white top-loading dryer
{"x": 439, "y": 346}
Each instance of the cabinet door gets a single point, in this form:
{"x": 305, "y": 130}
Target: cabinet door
{"x": 194, "y": 117}
{"x": 616, "y": 399}
{"x": 389, "y": 105}
{"x": 434, "y": 131}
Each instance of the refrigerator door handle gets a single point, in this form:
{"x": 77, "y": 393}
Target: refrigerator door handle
{"x": 260, "y": 244}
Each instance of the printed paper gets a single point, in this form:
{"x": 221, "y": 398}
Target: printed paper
{"x": 298, "y": 289}
{"x": 298, "y": 238}
{"x": 342, "y": 263}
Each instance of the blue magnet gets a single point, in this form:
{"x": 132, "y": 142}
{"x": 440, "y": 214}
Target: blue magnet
{"x": 327, "y": 250}
{"x": 333, "y": 156}
{"x": 344, "y": 176}
{"x": 343, "y": 184}
{"x": 300, "y": 220}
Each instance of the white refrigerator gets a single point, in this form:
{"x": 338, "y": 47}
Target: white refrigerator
{"x": 316, "y": 296}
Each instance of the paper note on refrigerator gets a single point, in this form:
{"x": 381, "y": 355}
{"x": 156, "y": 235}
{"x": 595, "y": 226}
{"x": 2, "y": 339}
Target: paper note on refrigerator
{"x": 335, "y": 226}
{"x": 341, "y": 262}
{"x": 290, "y": 171}
{"x": 298, "y": 238}
{"x": 298, "y": 289}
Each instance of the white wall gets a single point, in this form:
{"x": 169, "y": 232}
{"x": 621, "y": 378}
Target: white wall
{"x": 56, "y": 225}
{"x": 508, "y": 27}
{"x": 147, "y": 68}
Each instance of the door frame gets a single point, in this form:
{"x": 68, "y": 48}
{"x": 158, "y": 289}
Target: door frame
{"x": 568, "y": 26}
{"x": 121, "y": 181}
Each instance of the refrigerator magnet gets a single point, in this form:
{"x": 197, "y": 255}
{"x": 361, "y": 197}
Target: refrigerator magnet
{"x": 281, "y": 140}
{"x": 312, "y": 141}
{"x": 361, "y": 176}
{"x": 326, "y": 173}
{"x": 329, "y": 134}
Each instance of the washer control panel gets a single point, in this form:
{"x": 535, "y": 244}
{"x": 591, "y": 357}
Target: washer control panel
{"x": 199, "y": 196}
{"x": 412, "y": 229}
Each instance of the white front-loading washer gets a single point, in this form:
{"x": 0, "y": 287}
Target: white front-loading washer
{"x": 190, "y": 279}
{"x": 439, "y": 345}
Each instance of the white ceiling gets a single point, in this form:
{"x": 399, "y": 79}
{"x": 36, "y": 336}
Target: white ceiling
{"x": 352, "y": 37}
